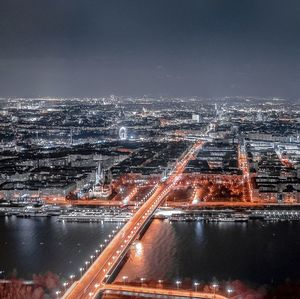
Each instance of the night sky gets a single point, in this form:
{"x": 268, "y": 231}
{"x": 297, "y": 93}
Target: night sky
{"x": 206, "y": 48}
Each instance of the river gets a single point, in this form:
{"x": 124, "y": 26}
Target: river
{"x": 255, "y": 252}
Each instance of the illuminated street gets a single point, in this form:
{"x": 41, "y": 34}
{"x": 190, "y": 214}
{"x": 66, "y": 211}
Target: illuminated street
{"x": 94, "y": 278}
{"x": 125, "y": 289}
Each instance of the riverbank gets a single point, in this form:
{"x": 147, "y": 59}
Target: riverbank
{"x": 229, "y": 215}
{"x": 221, "y": 213}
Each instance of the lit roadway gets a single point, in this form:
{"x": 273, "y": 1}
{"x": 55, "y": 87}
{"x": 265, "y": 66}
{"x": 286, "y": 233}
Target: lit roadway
{"x": 94, "y": 279}
{"x": 243, "y": 163}
{"x": 125, "y": 289}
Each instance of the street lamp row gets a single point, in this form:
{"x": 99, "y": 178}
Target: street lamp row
{"x": 87, "y": 262}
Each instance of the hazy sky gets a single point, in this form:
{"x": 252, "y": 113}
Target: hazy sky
{"x": 157, "y": 47}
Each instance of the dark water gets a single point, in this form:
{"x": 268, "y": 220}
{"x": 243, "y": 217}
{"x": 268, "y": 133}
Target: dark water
{"x": 38, "y": 245}
{"x": 254, "y": 252}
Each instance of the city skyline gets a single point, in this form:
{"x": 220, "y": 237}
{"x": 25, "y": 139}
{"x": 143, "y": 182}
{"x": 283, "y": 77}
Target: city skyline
{"x": 119, "y": 191}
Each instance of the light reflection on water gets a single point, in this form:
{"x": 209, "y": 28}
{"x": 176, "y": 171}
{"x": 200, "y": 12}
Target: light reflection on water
{"x": 252, "y": 252}
{"x": 149, "y": 263}
{"x": 37, "y": 245}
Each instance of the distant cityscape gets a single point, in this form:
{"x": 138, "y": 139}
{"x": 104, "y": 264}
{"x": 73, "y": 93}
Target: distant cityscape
{"x": 133, "y": 161}
{"x": 66, "y": 148}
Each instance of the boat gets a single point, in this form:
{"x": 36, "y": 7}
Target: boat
{"x": 31, "y": 211}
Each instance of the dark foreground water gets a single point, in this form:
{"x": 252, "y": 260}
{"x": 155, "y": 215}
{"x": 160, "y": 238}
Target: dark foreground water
{"x": 38, "y": 245}
{"x": 256, "y": 252}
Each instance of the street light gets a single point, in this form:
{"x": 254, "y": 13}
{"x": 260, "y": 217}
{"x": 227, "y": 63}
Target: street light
{"x": 80, "y": 269}
{"x": 215, "y": 285}
{"x": 178, "y": 283}
{"x": 107, "y": 276}
{"x": 2, "y": 272}
{"x": 160, "y": 281}
{"x": 124, "y": 279}
{"x": 229, "y": 292}
{"x": 142, "y": 279}
{"x": 196, "y": 284}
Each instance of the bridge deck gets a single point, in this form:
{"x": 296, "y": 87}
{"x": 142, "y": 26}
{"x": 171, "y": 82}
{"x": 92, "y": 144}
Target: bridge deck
{"x": 95, "y": 277}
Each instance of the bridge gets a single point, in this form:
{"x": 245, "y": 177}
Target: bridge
{"x": 93, "y": 280}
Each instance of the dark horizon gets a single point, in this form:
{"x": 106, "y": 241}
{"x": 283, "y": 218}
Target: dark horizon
{"x": 159, "y": 48}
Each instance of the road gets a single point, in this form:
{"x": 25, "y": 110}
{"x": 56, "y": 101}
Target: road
{"x": 96, "y": 276}
{"x": 120, "y": 289}
{"x": 243, "y": 164}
